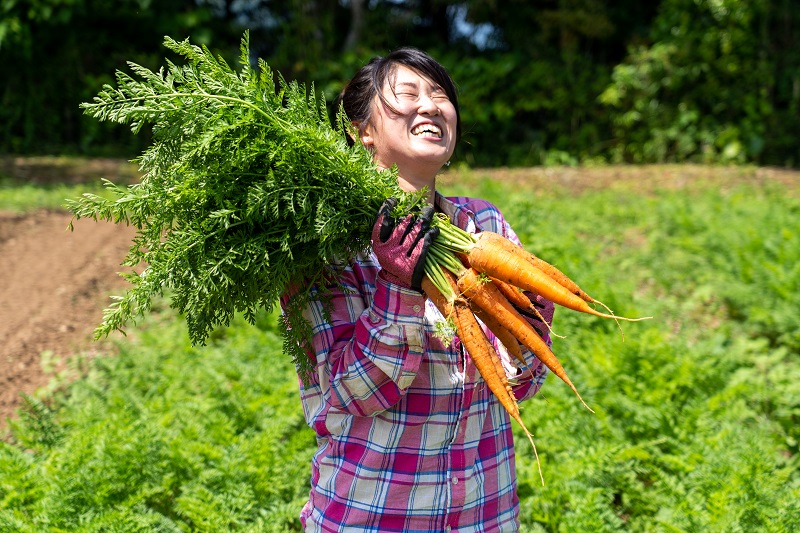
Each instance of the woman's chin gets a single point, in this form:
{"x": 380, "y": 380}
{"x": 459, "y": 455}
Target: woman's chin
{"x": 434, "y": 156}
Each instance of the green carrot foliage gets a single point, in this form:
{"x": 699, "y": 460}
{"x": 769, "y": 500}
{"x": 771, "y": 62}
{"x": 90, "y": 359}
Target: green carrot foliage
{"x": 248, "y": 191}
{"x": 697, "y": 413}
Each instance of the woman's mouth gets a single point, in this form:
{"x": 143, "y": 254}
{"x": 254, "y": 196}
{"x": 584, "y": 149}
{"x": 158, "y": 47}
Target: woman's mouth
{"x": 427, "y": 130}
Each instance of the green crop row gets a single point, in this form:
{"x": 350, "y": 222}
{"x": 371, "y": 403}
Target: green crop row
{"x": 697, "y": 409}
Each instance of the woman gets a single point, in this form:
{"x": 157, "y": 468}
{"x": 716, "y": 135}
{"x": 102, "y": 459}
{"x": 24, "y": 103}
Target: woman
{"x": 410, "y": 438}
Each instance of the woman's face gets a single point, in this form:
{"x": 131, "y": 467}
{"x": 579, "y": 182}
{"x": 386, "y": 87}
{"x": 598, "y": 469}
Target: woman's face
{"x": 421, "y": 136}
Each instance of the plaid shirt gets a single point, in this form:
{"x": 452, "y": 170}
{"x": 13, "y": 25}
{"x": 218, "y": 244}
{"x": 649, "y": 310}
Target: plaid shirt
{"x": 410, "y": 438}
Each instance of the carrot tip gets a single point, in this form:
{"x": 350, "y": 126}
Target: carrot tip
{"x": 535, "y": 452}
{"x": 581, "y": 399}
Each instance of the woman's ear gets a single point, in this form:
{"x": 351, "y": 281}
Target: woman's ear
{"x": 365, "y": 134}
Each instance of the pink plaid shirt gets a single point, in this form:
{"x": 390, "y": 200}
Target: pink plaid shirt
{"x": 409, "y": 437}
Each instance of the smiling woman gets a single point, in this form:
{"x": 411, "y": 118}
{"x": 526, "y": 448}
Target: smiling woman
{"x": 417, "y": 132}
{"x": 410, "y": 437}
{"x": 405, "y": 109}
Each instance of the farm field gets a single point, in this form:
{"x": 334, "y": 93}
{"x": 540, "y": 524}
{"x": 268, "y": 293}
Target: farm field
{"x": 697, "y": 410}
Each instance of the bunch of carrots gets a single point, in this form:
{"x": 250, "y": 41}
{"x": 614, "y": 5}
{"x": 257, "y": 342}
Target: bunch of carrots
{"x": 485, "y": 275}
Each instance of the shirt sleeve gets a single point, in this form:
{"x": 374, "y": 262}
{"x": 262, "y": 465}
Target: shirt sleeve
{"x": 371, "y": 348}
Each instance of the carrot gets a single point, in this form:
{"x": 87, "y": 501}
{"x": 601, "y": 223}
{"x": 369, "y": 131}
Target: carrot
{"x": 519, "y": 299}
{"x": 500, "y": 258}
{"x": 482, "y": 354}
{"x": 489, "y": 298}
{"x": 514, "y": 295}
{"x": 561, "y": 278}
{"x": 445, "y": 305}
{"x": 501, "y": 332}
{"x": 481, "y": 351}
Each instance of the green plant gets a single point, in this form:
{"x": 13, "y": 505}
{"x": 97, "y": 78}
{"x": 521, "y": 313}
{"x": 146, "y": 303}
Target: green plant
{"x": 247, "y": 191}
{"x": 167, "y": 437}
{"x": 696, "y": 411}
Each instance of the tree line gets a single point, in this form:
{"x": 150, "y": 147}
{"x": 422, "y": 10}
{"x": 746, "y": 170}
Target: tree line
{"x": 540, "y": 81}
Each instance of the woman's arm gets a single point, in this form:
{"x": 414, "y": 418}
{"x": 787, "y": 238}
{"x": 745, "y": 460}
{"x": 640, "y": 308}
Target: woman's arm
{"x": 370, "y": 350}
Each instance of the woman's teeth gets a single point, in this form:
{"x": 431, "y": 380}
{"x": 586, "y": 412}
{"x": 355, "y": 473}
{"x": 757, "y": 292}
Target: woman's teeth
{"x": 430, "y": 129}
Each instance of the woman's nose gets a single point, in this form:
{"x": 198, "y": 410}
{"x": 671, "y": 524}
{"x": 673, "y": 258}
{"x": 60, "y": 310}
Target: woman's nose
{"x": 427, "y": 106}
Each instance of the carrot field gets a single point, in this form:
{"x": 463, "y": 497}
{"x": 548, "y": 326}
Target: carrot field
{"x": 697, "y": 411}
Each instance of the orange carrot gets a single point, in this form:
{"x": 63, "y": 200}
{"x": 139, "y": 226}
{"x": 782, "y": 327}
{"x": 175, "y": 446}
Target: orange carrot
{"x": 482, "y": 354}
{"x": 446, "y": 308}
{"x": 489, "y": 298}
{"x": 501, "y": 332}
{"x": 512, "y": 294}
{"x": 561, "y": 278}
{"x": 500, "y": 258}
{"x": 520, "y": 300}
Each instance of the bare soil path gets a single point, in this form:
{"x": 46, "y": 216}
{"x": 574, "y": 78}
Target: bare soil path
{"x": 55, "y": 285}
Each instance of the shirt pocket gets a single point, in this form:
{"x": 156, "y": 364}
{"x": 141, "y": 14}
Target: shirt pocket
{"x": 434, "y": 397}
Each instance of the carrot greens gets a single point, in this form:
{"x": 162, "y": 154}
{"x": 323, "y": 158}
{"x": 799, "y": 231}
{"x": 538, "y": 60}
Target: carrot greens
{"x": 248, "y": 189}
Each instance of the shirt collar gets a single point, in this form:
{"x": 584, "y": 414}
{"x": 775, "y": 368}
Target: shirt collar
{"x": 457, "y": 213}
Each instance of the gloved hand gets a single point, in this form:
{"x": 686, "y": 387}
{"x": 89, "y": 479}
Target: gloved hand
{"x": 402, "y": 245}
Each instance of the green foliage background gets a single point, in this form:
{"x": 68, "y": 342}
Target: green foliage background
{"x": 542, "y": 81}
{"x": 697, "y": 410}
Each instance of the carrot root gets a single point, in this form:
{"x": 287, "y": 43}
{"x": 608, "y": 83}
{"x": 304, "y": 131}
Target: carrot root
{"x": 521, "y": 300}
{"x": 489, "y": 298}
{"x": 482, "y": 354}
{"x": 500, "y": 258}
{"x": 501, "y": 332}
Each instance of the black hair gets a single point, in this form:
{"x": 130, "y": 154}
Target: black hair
{"x": 359, "y": 93}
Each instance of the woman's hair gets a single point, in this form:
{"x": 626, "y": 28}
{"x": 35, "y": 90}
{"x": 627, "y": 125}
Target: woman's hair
{"x": 359, "y": 93}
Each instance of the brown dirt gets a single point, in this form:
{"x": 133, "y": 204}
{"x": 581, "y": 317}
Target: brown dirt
{"x": 55, "y": 286}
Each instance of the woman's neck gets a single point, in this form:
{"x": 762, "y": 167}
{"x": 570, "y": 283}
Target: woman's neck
{"x": 417, "y": 184}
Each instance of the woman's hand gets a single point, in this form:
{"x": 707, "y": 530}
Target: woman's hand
{"x": 401, "y": 246}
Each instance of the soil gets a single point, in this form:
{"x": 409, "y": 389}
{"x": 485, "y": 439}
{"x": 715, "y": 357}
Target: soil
{"x": 55, "y": 284}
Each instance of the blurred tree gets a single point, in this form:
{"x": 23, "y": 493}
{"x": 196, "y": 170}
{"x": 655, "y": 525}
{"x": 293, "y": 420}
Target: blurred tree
{"x": 56, "y": 54}
{"x": 780, "y": 31}
{"x": 529, "y": 87}
{"x": 297, "y": 37}
{"x": 716, "y": 84}
{"x": 541, "y": 81}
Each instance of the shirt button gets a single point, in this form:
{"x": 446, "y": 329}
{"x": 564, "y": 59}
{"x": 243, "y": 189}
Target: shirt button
{"x": 455, "y": 481}
{"x": 447, "y": 529}
{"x": 416, "y": 308}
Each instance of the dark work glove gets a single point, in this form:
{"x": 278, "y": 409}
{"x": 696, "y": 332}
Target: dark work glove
{"x": 402, "y": 245}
